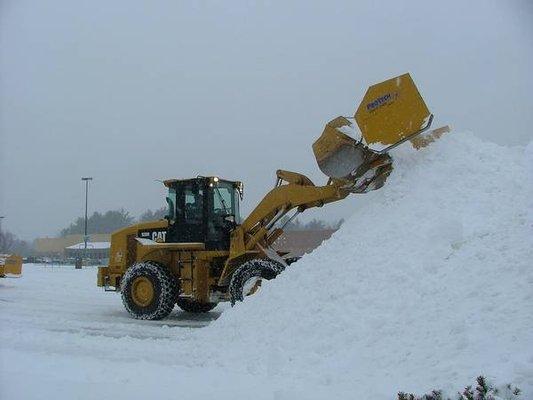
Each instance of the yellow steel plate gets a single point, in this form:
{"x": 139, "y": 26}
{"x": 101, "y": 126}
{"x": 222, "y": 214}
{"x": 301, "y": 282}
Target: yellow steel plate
{"x": 391, "y": 111}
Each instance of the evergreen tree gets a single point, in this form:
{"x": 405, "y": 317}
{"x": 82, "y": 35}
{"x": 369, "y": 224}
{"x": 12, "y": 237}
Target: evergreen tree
{"x": 107, "y": 222}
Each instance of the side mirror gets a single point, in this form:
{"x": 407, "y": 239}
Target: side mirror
{"x": 240, "y": 189}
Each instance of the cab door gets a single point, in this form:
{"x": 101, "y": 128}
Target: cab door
{"x": 190, "y": 225}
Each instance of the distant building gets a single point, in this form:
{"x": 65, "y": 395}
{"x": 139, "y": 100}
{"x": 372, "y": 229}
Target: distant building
{"x": 55, "y": 247}
{"x": 95, "y": 250}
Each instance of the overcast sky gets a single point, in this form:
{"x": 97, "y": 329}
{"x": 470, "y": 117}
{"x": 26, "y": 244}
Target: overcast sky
{"x": 129, "y": 92}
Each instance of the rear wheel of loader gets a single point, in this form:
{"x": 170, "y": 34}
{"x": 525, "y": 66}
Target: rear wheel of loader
{"x": 148, "y": 291}
{"x": 195, "y": 307}
{"x": 246, "y": 280}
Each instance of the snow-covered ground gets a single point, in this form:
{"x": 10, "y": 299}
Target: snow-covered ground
{"x": 428, "y": 285}
{"x": 64, "y": 338}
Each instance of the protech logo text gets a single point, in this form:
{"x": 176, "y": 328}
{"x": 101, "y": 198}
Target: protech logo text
{"x": 380, "y": 101}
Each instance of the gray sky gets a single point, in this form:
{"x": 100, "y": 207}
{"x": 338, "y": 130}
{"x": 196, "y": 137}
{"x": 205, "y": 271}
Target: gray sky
{"x": 130, "y": 91}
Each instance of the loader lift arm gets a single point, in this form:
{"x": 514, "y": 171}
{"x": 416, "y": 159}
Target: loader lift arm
{"x": 299, "y": 192}
{"x": 258, "y": 230}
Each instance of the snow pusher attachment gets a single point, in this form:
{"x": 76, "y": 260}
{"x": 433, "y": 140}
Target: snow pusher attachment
{"x": 10, "y": 264}
{"x": 390, "y": 113}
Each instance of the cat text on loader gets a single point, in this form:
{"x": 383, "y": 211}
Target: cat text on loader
{"x": 202, "y": 253}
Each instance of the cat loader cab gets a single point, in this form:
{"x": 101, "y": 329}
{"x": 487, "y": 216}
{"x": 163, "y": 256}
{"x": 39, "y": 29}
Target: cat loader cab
{"x": 202, "y": 210}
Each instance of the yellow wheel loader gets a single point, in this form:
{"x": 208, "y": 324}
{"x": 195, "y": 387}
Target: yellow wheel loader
{"x": 10, "y": 264}
{"x": 202, "y": 253}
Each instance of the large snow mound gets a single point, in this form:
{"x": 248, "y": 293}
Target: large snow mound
{"x": 428, "y": 285}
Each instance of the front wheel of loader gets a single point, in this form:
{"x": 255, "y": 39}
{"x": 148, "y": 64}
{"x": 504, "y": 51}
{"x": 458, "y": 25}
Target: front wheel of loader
{"x": 195, "y": 307}
{"x": 246, "y": 280}
{"x": 148, "y": 291}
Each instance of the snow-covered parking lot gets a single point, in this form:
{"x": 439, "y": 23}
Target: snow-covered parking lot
{"x": 62, "y": 337}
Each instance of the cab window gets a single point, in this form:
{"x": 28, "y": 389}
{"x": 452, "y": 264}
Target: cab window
{"x": 194, "y": 205}
{"x": 171, "y": 202}
{"x": 223, "y": 200}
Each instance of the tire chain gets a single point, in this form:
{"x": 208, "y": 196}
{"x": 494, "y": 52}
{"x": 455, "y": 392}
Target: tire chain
{"x": 168, "y": 286}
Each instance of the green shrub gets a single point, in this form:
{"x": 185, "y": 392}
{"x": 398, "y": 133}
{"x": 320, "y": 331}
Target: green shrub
{"x": 483, "y": 391}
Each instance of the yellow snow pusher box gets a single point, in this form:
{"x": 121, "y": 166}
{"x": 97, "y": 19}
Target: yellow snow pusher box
{"x": 10, "y": 264}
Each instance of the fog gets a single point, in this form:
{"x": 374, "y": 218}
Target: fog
{"x": 130, "y": 92}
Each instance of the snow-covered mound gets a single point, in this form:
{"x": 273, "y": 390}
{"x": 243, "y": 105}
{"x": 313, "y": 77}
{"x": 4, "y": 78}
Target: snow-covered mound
{"x": 428, "y": 285}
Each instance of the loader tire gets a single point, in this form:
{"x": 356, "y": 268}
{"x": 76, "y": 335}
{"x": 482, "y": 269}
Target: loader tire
{"x": 258, "y": 270}
{"x": 195, "y": 307}
{"x": 148, "y": 291}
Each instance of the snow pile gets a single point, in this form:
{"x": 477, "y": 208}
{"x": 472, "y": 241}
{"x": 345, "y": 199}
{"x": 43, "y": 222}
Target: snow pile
{"x": 427, "y": 286}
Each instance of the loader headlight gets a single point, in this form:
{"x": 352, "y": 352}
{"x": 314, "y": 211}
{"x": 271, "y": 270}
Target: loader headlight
{"x": 215, "y": 179}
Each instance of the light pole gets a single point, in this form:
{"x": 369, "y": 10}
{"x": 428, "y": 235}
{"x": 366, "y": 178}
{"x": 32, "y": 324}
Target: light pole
{"x": 85, "y": 236}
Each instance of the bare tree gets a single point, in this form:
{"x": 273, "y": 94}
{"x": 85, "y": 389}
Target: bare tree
{"x": 7, "y": 241}
{"x": 150, "y": 215}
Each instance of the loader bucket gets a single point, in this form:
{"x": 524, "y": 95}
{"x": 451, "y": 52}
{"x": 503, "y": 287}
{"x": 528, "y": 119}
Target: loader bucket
{"x": 341, "y": 154}
{"x": 390, "y": 113}
{"x": 337, "y": 150}
{"x": 10, "y": 264}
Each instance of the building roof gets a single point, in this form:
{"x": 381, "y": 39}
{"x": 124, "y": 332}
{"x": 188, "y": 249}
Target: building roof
{"x": 57, "y": 245}
{"x": 90, "y": 246}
